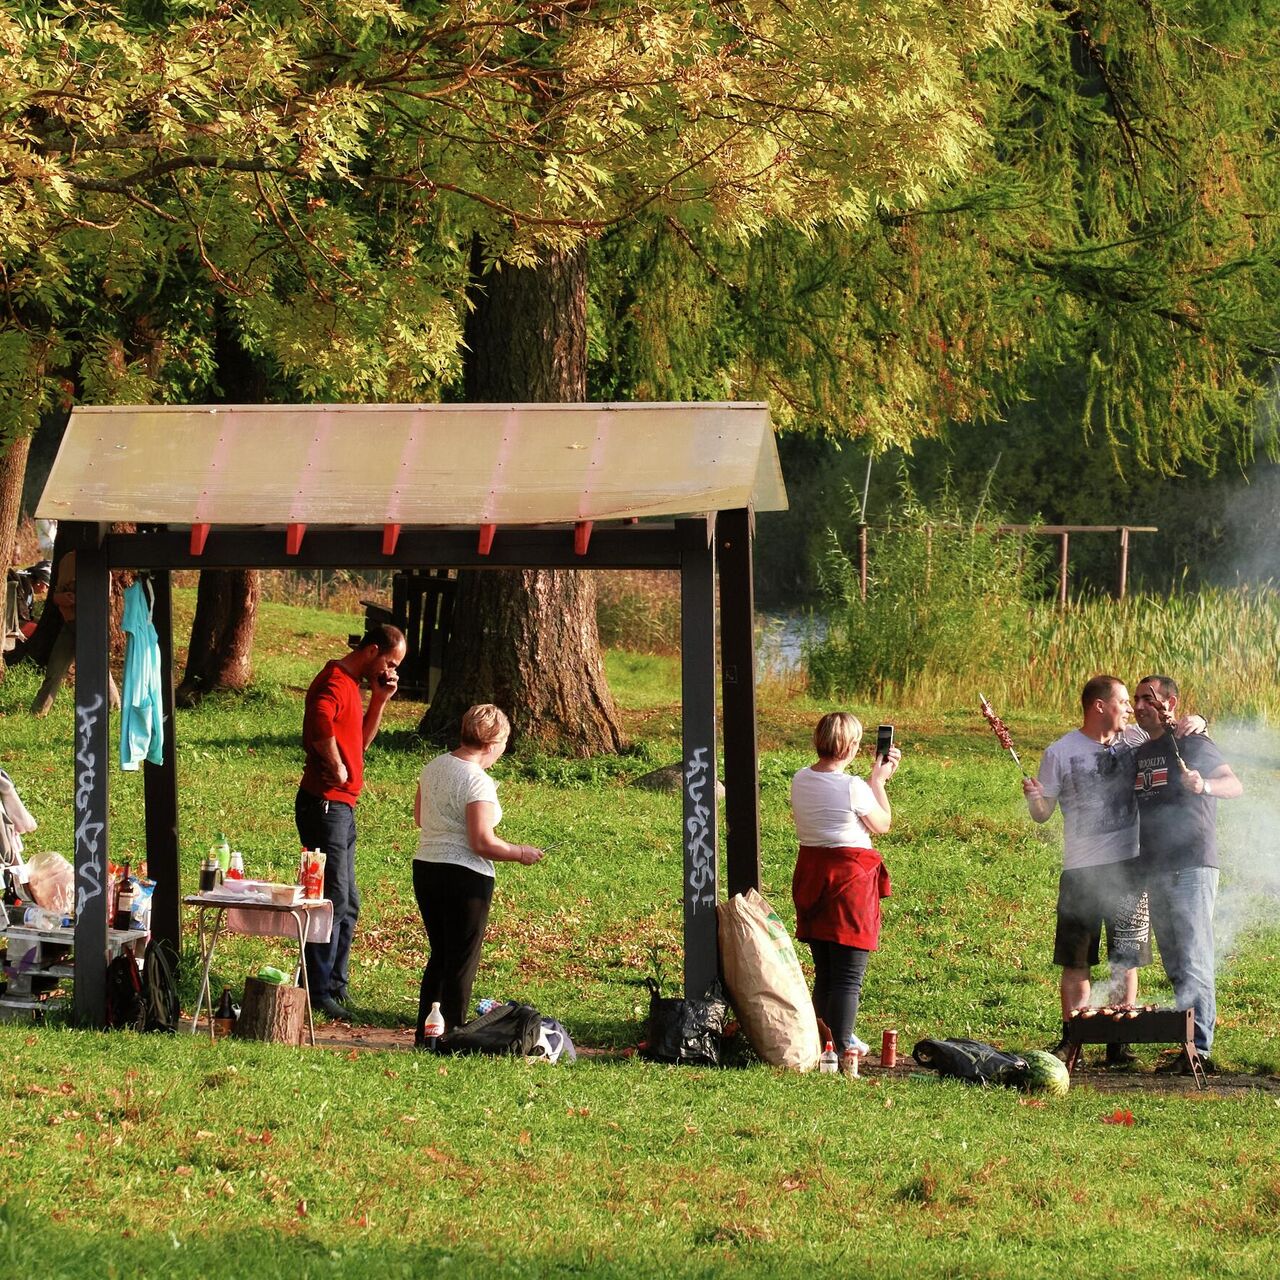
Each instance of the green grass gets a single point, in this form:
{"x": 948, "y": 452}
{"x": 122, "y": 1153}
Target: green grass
{"x": 133, "y": 1156}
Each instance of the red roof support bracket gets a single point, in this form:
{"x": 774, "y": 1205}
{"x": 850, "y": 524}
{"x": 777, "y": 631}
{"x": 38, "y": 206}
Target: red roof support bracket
{"x": 199, "y": 536}
{"x": 486, "y": 539}
{"x": 581, "y": 537}
{"x": 293, "y": 538}
{"x": 390, "y": 536}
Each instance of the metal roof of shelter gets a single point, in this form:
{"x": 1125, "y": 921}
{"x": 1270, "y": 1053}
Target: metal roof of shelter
{"x": 419, "y": 464}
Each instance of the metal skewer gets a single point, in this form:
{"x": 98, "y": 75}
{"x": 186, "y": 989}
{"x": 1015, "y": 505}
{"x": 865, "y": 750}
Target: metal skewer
{"x": 996, "y": 725}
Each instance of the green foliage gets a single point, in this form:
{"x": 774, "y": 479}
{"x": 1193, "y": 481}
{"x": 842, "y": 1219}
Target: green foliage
{"x": 943, "y": 586}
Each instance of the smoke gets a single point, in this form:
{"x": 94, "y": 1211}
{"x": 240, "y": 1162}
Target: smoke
{"x": 1248, "y": 839}
{"x": 1252, "y": 518}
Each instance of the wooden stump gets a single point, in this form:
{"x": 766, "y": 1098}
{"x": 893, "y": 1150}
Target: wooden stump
{"x": 272, "y": 1012}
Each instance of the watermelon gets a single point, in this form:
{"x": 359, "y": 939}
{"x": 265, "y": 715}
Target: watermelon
{"x": 1045, "y": 1074}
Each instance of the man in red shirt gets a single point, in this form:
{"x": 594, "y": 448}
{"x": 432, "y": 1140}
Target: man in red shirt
{"x": 336, "y": 729}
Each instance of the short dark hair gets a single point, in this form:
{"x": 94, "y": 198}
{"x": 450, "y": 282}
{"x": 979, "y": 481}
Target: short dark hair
{"x": 1167, "y": 685}
{"x": 1098, "y": 687}
{"x": 383, "y": 636}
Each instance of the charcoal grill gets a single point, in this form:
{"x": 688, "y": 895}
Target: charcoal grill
{"x": 1135, "y": 1026}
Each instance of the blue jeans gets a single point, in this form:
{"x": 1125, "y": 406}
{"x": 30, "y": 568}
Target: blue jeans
{"x": 837, "y": 987}
{"x": 330, "y": 826}
{"x": 1182, "y": 917}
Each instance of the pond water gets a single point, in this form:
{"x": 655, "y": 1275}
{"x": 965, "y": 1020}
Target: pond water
{"x": 782, "y": 635}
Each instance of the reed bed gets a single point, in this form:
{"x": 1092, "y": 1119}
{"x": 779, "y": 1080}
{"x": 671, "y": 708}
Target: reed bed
{"x": 1222, "y": 645}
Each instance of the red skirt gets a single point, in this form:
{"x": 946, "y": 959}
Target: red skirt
{"x": 837, "y": 894}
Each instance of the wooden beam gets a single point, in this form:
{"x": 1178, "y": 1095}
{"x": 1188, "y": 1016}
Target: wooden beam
{"x": 92, "y": 768}
{"x": 738, "y": 691}
{"x": 160, "y": 787}
{"x": 698, "y": 773}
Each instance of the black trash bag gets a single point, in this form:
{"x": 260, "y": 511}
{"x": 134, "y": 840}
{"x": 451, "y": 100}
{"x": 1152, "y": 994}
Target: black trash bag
{"x": 687, "y": 1031}
{"x": 506, "y": 1028}
{"x": 971, "y": 1060}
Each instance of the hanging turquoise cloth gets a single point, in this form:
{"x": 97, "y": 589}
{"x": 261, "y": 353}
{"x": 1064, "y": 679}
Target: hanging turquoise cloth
{"x": 141, "y": 707}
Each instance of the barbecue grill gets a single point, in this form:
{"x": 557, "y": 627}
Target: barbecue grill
{"x": 1147, "y": 1025}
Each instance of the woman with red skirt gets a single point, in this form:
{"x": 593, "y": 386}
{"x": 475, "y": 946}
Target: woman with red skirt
{"x": 839, "y": 878}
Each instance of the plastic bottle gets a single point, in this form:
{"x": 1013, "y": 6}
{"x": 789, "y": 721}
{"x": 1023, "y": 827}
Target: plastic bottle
{"x": 235, "y": 867}
{"x": 849, "y": 1062}
{"x": 829, "y": 1064}
{"x": 433, "y": 1026}
{"x": 224, "y": 1020}
{"x": 221, "y": 850}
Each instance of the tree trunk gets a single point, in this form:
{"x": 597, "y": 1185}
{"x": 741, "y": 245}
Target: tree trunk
{"x": 13, "y": 467}
{"x": 526, "y": 639}
{"x": 277, "y": 1014}
{"x": 221, "y": 633}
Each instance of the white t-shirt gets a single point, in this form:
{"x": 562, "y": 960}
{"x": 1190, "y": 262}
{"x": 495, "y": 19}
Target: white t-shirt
{"x": 1094, "y": 788}
{"x": 447, "y": 785}
{"x": 827, "y": 808}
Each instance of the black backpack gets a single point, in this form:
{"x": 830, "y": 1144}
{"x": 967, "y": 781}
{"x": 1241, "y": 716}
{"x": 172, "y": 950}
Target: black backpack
{"x": 162, "y": 1010}
{"x": 506, "y": 1028}
{"x": 125, "y": 1011}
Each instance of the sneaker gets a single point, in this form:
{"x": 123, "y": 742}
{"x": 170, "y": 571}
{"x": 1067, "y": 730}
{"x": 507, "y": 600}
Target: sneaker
{"x": 862, "y": 1046}
{"x": 333, "y": 1010}
{"x": 1179, "y": 1064}
{"x": 1120, "y": 1056}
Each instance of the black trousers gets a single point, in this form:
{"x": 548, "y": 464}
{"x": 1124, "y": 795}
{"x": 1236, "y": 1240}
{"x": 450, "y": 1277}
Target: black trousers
{"x": 837, "y": 987}
{"x": 454, "y": 903}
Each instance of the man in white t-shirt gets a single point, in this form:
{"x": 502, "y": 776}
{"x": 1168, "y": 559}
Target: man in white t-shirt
{"x": 1089, "y": 774}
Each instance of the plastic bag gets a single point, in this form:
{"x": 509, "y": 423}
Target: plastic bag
{"x": 766, "y": 983}
{"x": 507, "y": 1028}
{"x": 51, "y": 883}
{"x": 971, "y": 1060}
{"x": 686, "y": 1030}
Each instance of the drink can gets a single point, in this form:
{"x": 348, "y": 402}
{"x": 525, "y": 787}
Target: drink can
{"x": 889, "y": 1049}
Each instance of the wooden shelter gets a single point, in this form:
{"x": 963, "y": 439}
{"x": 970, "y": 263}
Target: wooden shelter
{"x": 595, "y": 486}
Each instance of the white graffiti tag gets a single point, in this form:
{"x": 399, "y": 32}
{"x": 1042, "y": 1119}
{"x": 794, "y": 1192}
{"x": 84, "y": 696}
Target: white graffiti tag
{"x": 700, "y": 853}
{"x": 88, "y": 855}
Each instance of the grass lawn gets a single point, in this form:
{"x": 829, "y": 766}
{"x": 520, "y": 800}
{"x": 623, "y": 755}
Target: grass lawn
{"x": 132, "y": 1155}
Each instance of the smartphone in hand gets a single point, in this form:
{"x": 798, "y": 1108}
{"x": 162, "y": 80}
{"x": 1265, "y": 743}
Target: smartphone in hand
{"x": 884, "y": 741}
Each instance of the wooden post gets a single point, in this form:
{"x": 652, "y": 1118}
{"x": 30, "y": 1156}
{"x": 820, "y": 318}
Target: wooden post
{"x": 862, "y": 561}
{"x": 1063, "y": 540}
{"x": 1123, "y": 583}
{"x": 738, "y": 685}
{"x": 698, "y": 698}
{"x": 272, "y": 1011}
{"x": 160, "y": 785}
{"x": 92, "y": 766}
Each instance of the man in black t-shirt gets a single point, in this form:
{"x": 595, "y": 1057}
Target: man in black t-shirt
{"x": 1178, "y": 789}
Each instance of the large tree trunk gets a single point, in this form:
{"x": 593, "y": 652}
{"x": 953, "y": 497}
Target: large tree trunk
{"x": 526, "y": 639}
{"x": 13, "y": 467}
{"x": 218, "y": 655}
{"x": 221, "y": 633}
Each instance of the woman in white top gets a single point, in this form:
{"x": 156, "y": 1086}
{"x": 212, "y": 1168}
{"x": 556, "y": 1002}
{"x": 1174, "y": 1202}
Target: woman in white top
{"x": 839, "y": 878}
{"x": 456, "y": 807}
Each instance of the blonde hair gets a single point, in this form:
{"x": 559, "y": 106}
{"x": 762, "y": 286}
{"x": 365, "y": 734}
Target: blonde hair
{"x": 483, "y": 725}
{"x": 837, "y": 735}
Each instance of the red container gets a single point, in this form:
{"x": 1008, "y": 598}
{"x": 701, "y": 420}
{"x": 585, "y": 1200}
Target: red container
{"x": 889, "y": 1049}
{"x": 311, "y": 874}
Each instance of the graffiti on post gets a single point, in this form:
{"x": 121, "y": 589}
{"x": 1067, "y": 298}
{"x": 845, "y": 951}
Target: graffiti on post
{"x": 700, "y": 852}
{"x": 88, "y": 854}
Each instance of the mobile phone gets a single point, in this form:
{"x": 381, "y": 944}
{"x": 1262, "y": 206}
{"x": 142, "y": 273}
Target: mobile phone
{"x": 884, "y": 741}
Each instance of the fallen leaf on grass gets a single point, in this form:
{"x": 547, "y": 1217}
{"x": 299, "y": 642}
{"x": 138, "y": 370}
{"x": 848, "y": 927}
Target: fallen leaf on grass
{"x": 1031, "y": 1102}
{"x": 794, "y": 1184}
{"x": 1119, "y": 1117}
{"x": 302, "y": 1208}
{"x": 184, "y": 1171}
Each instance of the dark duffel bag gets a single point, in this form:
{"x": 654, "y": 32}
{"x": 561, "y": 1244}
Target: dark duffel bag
{"x": 506, "y": 1028}
{"x": 971, "y": 1060}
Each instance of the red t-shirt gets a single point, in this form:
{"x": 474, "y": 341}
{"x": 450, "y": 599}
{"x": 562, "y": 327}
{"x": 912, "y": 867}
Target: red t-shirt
{"x": 334, "y": 709}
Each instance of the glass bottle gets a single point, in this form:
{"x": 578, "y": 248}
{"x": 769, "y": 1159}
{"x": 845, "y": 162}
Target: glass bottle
{"x": 125, "y": 896}
{"x": 224, "y": 1020}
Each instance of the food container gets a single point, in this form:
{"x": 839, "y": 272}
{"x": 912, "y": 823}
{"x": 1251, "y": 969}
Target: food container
{"x": 311, "y": 874}
{"x": 284, "y": 895}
